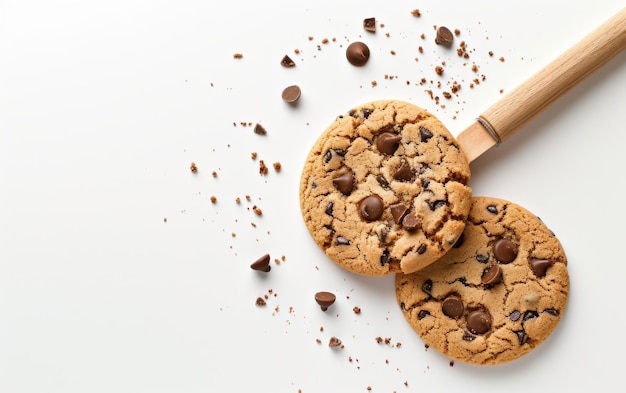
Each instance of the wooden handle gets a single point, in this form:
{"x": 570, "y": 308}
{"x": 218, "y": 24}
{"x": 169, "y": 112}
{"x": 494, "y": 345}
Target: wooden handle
{"x": 526, "y": 101}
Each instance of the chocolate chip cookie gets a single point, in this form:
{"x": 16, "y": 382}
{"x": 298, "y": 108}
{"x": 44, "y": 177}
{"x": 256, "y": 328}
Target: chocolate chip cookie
{"x": 384, "y": 189}
{"x": 498, "y": 294}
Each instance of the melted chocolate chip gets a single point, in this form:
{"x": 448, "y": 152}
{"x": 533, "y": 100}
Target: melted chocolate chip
{"x": 422, "y": 314}
{"x": 427, "y": 287}
{"x": 329, "y": 208}
{"x": 530, "y": 314}
{"x": 325, "y": 299}
{"x": 459, "y": 241}
{"x": 425, "y": 134}
{"x": 522, "y": 337}
{"x": 482, "y": 258}
{"x": 478, "y": 322}
{"x": 371, "y": 208}
{"x": 382, "y": 181}
{"x": 411, "y": 222}
{"x": 421, "y": 249}
{"x": 342, "y": 241}
{"x": 552, "y": 311}
{"x": 452, "y": 307}
{"x": 515, "y": 315}
{"x": 492, "y": 209}
{"x": 436, "y": 205}
{"x": 385, "y": 258}
{"x": 505, "y": 250}
{"x": 492, "y": 276}
{"x": 404, "y": 172}
{"x": 262, "y": 264}
{"x": 383, "y": 234}
{"x": 467, "y": 336}
{"x": 398, "y": 211}
{"x": 425, "y": 183}
{"x": 366, "y": 113}
{"x": 344, "y": 183}
{"x": 540, "y": 266}
{"x": 387, "y": 143}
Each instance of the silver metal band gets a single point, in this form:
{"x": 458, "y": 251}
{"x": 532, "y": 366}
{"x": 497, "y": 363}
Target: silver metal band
{"x": 489, "y": 129}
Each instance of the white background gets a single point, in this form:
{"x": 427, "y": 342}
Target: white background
{"x": 105, "y": 104}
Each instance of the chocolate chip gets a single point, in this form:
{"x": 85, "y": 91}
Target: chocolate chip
{"x": 329, "y": 208}
{"x": 427, "y": 287}
{"x": 262, "y": 264}
{"x": 478, "y": 322}
{"x": 366, "y": 113}
{"x": 492, "y": 276}
{"x": 398, "y": 211}
{"x": 453, "y": 307}
{"x": 358, "y": 53}
{"x": 385, "y": 258}
{"x": 422, "y": 314}
{"x": 425, "y": 183}
{"x": 522, "y": 337}
{"x": 425, "y": 134}
{"x": 344, "y": 183}
{"x": 387, "y": 143}
{"x": 505, "y": 250}
{"x": 382, "y": 181}
{"x": 436, "y": 205}
{"x": 444, "y": 36}
{"x": 383, "y": 234}
{"x": 403, "y": 173}
{"x": 287, "y": 62}
{"x": 291, "y": 94}
{"x": 552, "y": 311}
{"x": 371, "y": 208}
{"x": 410, "y": 222}
{"x": 342, "y": 241}
{"x": 530, "y": 314}
{"x": 492, "y": 209}
{"x": 369, "y": 24}
{"x": 421, "y": 249}
{"x": 482, "y": 258}
{"x": 459, "y": 241}
{"x": 325, "y": 299}
{"x": 540, "y": 266}
{"x": 515, "y": 315}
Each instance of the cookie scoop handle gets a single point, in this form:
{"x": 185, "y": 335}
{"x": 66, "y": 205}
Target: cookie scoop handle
{"x": 522, "y": 104}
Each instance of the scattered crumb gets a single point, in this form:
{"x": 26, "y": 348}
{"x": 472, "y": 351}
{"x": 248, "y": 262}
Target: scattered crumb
{"x": 238, "y": 55}
{"x": 260, "y": 301}
{"x": 356, "y": 310}
{"x": 193, "y": 167}
{"x": 263, "y": 168}
{"x": 213, "y": 199}
{"x": 253, "y": 155}
{"x": 259, "y": 129}
{"x": 416, "y": 13}
{"x": 334, "y": 342}
{"x": 277, "y": 166}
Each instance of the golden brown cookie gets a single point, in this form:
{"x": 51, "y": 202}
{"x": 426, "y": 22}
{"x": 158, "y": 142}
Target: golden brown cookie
{"x": 497, "y": 294}
{"x": 384, "y": 189}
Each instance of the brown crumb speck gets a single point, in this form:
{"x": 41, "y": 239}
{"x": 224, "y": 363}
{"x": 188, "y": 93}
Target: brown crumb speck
{"x": 263, "y": 168}
{"x": 334, "y": 342}
{"x": 259, "y": 129}
{"x": 260, "y": 302}
{"x": 238, "y": 55}
{"x": 193, "y": 167}
{"x": 213, "y": 199}
{"x": 416, "y": 13}
{"x": 277, "y": 166}
{"x": 357, "y": 310}
{"x": 257, "y": 210}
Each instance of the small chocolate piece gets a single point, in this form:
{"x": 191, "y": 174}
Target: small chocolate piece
{"x": 342, "y": 241}
{"x": 371, "y": 207}
{"x": 423, "y": 314}
{"x": 444, "y": 36}
{"x": 329, "y": 208}
{"x": 540, "y": 266}
{"x": 398, "y": 211}
{"x": 411, "y": 222}
{"x": 334, "y": 342}
{"x": 425, "y": 134}
{"x": 344, "y": 183}
{"x": 291, "y": 94}
{"x": 358, "y": 53}
{"x": 515, "y": 315}
{"x": 522, "y": 337}
{"x": 427, "y": 287}
{"x": 387, "y": 143}
{"x": 404, "y": 172}
{"x": 259, "y": 129}
{"x": 478, "y": 322}
{"x": 505, "y": 250}
{"x": 421, "y": 249}
{"x": 382, "y": 181}
{"x": 453, "y": 306}
{"x": 492, "y": 276}
{"x": 287, "y": 62}
{"x": 262, "y": 264}
{"x": 325, "y": 299}
{"x": 492, "y": 209}
{"x": 369, "y": 24}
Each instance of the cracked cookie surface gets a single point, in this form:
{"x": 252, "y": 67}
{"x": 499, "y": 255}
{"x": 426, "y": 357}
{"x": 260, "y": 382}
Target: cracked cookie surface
{"x": 498, "y": 294}
{"x": 384, "y": 189}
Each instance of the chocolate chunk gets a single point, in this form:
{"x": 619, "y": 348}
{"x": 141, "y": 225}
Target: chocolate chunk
{"x": 540, "y": 266}
{"x": 492, "y": 209}
{"x": 344, "y": 183}
{"x": 478, "y": 322}
{"x": 382, "y": 181}
{"x": 421, "y": 249}
{"x": 385, "y": 258}
{"x": 371, "y": 207}
{"x": 425, "y": 134}
{"x": 444, "y": 36}
{"x": 522, "y": 337}
{"x": 404, "y": 172}
{"x": 530, "y": 314}
{"x": 329, "y": 208}
{"x": 398, "y": 211}
{"x": 515, "y": 315}
{"x": 325, "y": 299}
{"x": 287, "y": 62}
{"x": 369, "y": 24}
{"x": 262, "y": 264}
{"x": 453, "y": 307}
{"x": 358, "y": 53}
{"x": 492, "y": 276}
{"x": 410, "y": 222}
{"x": 259, "y": 129}
{"x": 291, "y": 94}
{"x": 387, "y": 143}
{"x": 342, "y": 241}
{"x": 505, "y": 250}
{"x": 423, "y": 314}
{"x": 427, "y": 287}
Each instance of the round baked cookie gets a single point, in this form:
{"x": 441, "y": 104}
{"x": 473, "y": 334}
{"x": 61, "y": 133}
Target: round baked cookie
{"x": 497, "y": 294}
{"x": 384, "y": 189}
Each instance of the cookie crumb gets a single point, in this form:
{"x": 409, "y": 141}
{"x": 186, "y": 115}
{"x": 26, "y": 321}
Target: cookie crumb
{"x": 416, "y": 13}
{"x": 277, "y": 166}
{"x": 238, "y": 55}
{"x": 259, "y": 129}
{"x": 357, "y": 310}
{"x": 260, "y": 302}
{"x": 334, "y": 342}
{"x": 213, "y": 199}
{"x": 263, "y": 168}
{"x": 193, "y": 167}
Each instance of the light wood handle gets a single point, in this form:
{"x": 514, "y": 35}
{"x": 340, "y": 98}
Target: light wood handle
{"x": 526, "y": 101}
